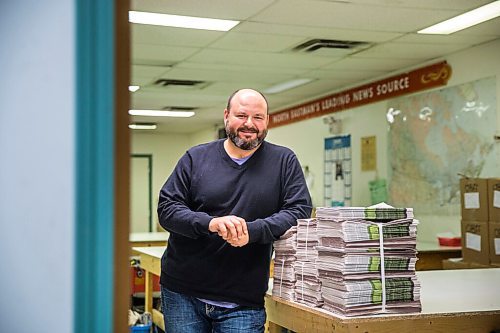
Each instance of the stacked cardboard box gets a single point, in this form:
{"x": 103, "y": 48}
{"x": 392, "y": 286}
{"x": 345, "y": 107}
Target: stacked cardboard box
{"x": 480, "y": 207}
{"x": 494, "y": 219}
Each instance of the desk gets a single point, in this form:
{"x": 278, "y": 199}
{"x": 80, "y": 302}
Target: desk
{"x": 452, "y": 301}
{"x": 151, "y": 263}
{"x": 141, "y": 239}
{"x": 431, "y": 255}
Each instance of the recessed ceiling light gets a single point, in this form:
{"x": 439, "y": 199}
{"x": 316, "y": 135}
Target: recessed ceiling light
{"x": 142, "y": 126}
{"x": 286, "y": 85}
{"x": 465, "y": 20}
{"x": 161, "y": 113}
{"x": 178, "y": 21}
{"x": 133, "y": 88}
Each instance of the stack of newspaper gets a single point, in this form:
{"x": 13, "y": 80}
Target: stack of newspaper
{"x": 284, "y": 257}
{"x": 307, "y": 285}
{"x": 362, "y": 273}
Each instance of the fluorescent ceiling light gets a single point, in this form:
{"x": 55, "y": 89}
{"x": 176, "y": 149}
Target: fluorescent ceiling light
{"x": 286, "y": 85}
{"x": 133, "y": 88}
{"x": 142, "y": 126}
{"x": 178, "y": 21}
{"x": 466, "y": 20}
{"x": 161, "y": 113}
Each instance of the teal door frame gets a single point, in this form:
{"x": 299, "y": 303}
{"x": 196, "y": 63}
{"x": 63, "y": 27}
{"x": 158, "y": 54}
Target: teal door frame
{"x": 95, "y": 159}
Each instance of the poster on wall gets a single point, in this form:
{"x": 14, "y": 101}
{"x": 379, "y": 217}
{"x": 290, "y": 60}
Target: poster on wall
{"x": 435, "y": 137}
{"x": 368, "y": 153}
{"x": 337, "y": 174}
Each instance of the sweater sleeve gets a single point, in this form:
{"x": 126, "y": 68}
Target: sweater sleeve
{"x": 296, "y": 205}
{"x": 174, "y": 213}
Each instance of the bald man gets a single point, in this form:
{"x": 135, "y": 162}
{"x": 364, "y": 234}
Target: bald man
{"x": 224, "y": 205}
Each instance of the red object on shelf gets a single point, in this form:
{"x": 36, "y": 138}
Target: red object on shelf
{"x": 450, "y": 241}
{"x": 138, "y": 281}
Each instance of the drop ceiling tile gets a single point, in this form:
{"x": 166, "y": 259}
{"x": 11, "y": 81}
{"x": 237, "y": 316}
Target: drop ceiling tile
{"x": 241, "y": 67}
{"x": 225, "y": 75}
{"x": 149, "y": 71}
{"x": 150, "y": 52}
{"x": 238, "y": 41}
{"x": 409, "y": 51}
{"x": 489, "y": 28}
{"x": 462, "y": 5}
{"x": 157, "y": 99}
{"x": 150, "y": 34}
{"x": 222, "y": 9}
{"x": 317, "y": 32}
{"x": 370, "y": 64}
{"x": 351, "y": 16}
{"x": 443, "y": 39}
{"x": 342, "y": 75}
{"x": 258, "y": 58}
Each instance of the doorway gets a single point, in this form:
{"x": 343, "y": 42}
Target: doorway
{"x": 141, "y": 217}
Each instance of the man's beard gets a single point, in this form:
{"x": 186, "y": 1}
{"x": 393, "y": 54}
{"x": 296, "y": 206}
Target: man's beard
{"x": 243, "y": 143}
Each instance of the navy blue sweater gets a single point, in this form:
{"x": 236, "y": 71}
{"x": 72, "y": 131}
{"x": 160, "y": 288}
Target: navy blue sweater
{"x": 268, "y": 191}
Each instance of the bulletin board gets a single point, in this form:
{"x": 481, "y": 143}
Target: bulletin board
{"x": 337, "y": 171}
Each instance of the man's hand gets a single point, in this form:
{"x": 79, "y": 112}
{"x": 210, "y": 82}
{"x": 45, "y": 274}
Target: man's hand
{"x": 240, "y": 241}
{"x": 229, "y": 227}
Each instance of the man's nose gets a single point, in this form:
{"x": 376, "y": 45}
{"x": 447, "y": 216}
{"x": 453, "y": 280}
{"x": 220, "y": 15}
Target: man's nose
{"x": 248, "y": 121}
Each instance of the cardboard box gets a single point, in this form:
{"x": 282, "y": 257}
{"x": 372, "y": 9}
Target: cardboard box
{"x": 494, "y": 241}
{"x": 474, "y": 199}
{"x": 459, "y": 263}
{"x": 475, "y": 242}
{"x": 494, "y": 199}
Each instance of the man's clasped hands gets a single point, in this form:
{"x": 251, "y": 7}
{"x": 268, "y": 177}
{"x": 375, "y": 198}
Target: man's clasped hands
{"x": 232, "y": 229}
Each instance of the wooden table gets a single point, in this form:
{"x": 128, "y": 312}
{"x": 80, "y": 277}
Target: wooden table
{"x": 452, "y": 301}
{"x": 431, "y": 255}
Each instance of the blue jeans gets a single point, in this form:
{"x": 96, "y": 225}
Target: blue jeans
{"x": 185, "y": 314}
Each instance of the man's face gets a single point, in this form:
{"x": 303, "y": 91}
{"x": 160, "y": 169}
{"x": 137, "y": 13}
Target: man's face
{"x": 246, "y": 121}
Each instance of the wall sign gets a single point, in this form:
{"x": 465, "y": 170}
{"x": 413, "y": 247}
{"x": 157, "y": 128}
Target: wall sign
{"x": 420, "y": 79}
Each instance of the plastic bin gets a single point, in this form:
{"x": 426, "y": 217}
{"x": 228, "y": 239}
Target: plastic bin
{"x": 140, "y": 328}
{"x": 450, "y": 241}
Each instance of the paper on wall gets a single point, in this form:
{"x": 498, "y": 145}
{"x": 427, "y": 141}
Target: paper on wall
{"x": 496, "y": 199}
{"x": 473, "y": 241}
{"x": 471, "y": 200}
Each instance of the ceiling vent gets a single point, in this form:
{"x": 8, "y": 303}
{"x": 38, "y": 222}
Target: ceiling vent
{"x": 180, "y": 83}
{"x": 331, "y": 47}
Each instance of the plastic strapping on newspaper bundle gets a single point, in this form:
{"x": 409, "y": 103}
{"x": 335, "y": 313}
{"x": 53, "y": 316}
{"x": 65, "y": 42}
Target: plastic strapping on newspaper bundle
{"x": 302, "y": 279}
{"x": 307, "y": 236}
{"x": 382, "y": 263}
{"x": 382, "y": 256}
{"x": 281, "y": 277}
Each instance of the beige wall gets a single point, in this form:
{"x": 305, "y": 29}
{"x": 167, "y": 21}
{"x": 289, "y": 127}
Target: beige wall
{"x": 306, "y": 138}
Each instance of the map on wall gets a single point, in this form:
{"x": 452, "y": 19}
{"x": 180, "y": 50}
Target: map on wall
{"x": 436, "y": 136}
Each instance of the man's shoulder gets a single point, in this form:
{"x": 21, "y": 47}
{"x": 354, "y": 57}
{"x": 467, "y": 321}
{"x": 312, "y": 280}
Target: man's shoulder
{"x": 275, "y": 148}
{"x": 204, "y": 147}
